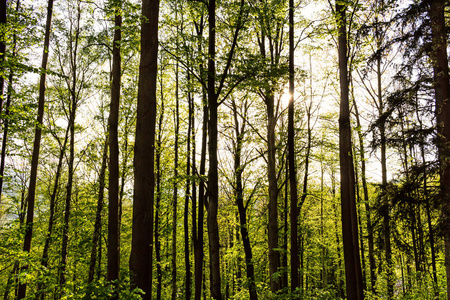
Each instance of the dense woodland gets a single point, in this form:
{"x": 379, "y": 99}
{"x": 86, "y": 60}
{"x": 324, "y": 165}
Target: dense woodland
{"x": 229, "y": 149}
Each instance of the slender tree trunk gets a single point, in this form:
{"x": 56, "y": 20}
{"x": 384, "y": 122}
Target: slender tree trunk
{"x": 187, "y": 261}
{"x": 295, "y": 283}
{"x": 141, "y": 257}
{"x": 8, "y": 98}
{"x": 98, "y": 213}
{"x": 175, "y": 188}
{"x": 442, "y": 94}
{"x": 71, "y": 168}
{"x": 51, "y": 220}
{"x": 198, "y": 243}
{"x": 239, "y": 196}
{"x": 36, "y": 145}
{"x": 348, "y": 202}
{"x": 366, "y": 201}
{"x": 213, "y": 180}
{"x": 3, "y": 20}
{"x": 158, "y": 196}
{"x": 197, "y": 219}
{"x": 113, "y": 194}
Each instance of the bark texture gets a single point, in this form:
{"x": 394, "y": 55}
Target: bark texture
{"x": 141, "y": 257}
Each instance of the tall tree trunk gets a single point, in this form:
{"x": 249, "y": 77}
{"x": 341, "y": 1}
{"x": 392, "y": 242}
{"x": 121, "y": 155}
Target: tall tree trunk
{"x": 239, "y": 196}
{"x": 98, "y": 213}
{"x": 175, "y": 188}
{"x": 36, "y": 145}
{"x": 348, "y": 202}
{"x": 213, "y": 180}
{"x": 113, "y": 194}
{"x": 187, "y": 261}
{"x": 158, "y": 195}
{"x": 366, "y": 201}
{"x": 198, "y": 242}
{"x": 71, "y": 168}
{"x": 141, "y": 257}
{"x": 295, "y": 283}
{"x": 3, "y": 20}
{"x": 8, "y": 98}
{"x": 439, "y": 60}
{"x": 51, "y": 220}
{"x": 198, "y": 228}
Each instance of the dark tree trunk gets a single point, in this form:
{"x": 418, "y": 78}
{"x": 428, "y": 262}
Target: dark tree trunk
{"x": 175, "y": 188}
{"x": 198, "y": 232}
{"x": 348, "y": 202}
{"x": 187, "y": 261}
{"x": 36, "y": 145}
{"x": 8, "y": 99}
{"x": 141, "y": 257}
{"x": 158, "y": 196}
{"x": 98, "y": 213}
{"x": 439, "y": 60}
{"x": 3, "y": 20}
{"x": 213, "y": 180}
{"x": 198, "y": 243}
{"x": 113, "y": 193}
{"x": 366, "y": 202}
{"x": 239, "y": 196}
{"x": 71, "y": 168}
{"x": 295, "y": 283}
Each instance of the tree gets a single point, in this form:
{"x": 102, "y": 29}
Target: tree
{"x": 37, "y": 144}
{"x": 142, "y": 235}
{"x": 441, "y": 84}
{"x": 353, "y": 273}
{"x": 113, "y": 208}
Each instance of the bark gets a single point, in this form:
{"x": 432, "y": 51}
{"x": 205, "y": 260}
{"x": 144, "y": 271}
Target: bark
{"x": 439, "y": 60}
{"x": 36, "y": 145}
{"x": 213, "y": 180}
{"x": 348, "y": 202}
{"x": 239, "y": 196}
{"x": 8, "y": 101}
{"x": 198, "y": 242}
{"x": 158, "y": 196}
{"x": 98, "y": 213}
{"x": 51, "y": 220}
{"x": 71, "y": 168}
{"x": 371, "y": 252}
{"x": 295, "y": 283}
{"x": 3, "y": 21}
{"x": 187, "y": 261}
{"x": 198, "y": 232}
{"x": 141, "y": 257}
{"x": 175, "y": 190}
{"x": 113, "y": 193}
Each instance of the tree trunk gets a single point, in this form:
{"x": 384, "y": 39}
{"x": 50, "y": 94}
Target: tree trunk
{"x": 187, "y": 261}
{"x": 98, "y": 214}
{"x": 113, "y": 194}
{"x": 158, "y": 196}
{"x": 366, "y": 201}
{"x": 348, "y": 202}
{"x": 239, "y": 196}
{"x": 175, "y": 188}
{"x": 36, "y": 146}
{"x": 198, "y": 242}
{"x": 3, "y": 20}
{"x": 141, "y": 257}
{"x": 8, "y": 100}
{"x": 439, "y": 60}
{"x": 71, "y": 167}
{"x": 213, "y": 180}
{"x": 295, "y": 283}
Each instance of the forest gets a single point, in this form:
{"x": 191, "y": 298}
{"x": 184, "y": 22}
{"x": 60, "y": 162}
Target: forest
{"x": 224, "y": 149}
